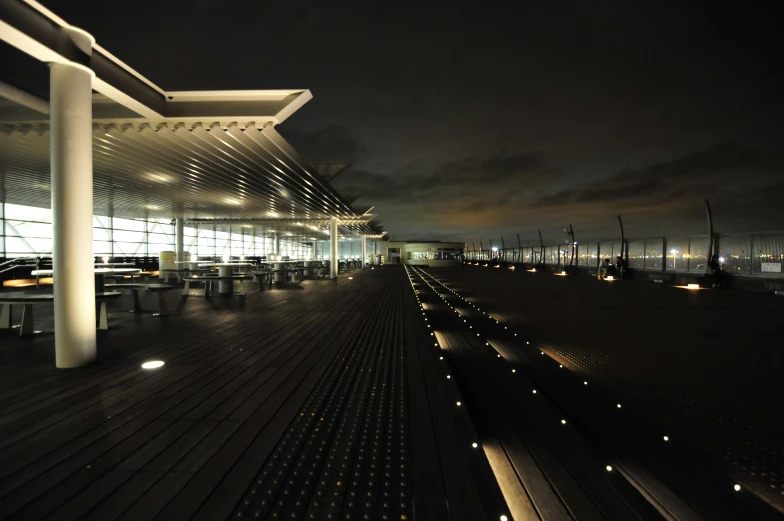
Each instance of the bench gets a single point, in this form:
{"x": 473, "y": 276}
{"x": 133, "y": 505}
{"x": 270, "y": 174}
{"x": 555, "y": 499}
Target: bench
{"x": 27, "y": 301}
{"x": 285, "y": 271}
{"x": 258, "y": 275}
{"x": 160, "y": 289}
{"x": 210, "y": 279}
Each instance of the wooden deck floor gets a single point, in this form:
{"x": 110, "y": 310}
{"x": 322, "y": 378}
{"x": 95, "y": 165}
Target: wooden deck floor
{"x": 558, "y": 411}
{"x": 314, "y": 402}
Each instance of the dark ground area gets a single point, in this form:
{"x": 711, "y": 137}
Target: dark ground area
{"x": 705, "y": 364}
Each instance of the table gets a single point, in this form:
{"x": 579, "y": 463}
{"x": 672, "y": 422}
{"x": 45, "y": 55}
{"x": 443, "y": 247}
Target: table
{"x": 279, "y": 267}
{"x": 226, "y": 269}
{"x": 193, "y": 265}
{"x": 100, "y": 275}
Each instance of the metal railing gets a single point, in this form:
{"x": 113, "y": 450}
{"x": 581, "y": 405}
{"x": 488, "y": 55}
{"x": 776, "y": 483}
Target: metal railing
{"x": 759, "y": 254}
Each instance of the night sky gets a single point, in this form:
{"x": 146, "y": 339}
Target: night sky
{"x": 477, "y": 122}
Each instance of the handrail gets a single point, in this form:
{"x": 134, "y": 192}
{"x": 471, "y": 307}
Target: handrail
{"x": 16, "y": 259}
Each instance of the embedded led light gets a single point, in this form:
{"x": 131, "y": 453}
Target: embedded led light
{"x": 666, "y": 438}
{"x": 609, "y": 468}
{"x": 610, "y": 278}
{"x": 560, "y": 365}
{"x": 737, "y": 488}
{"x": 534, "y": 391}
{"x": 474, "y": 445}
{"x": 513, "y": 370}
{"x": 585, "y": 383}
{"x": 459, "y": 404}
{"x": 504, "y": 518}
{"x": 351, "y": 278}
{"x": 563, "y": 422}
{"x": 440, "y": 357}
{"x": 448, "y": 377}
{"x": 619, "y": 405}
{"x": 152, "y": 364}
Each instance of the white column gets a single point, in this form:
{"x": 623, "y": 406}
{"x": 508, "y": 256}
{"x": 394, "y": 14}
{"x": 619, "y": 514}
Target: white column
{"x": 364, "y": 251}
{"x": 333, "y": 248}
{"x": 71, "y": 133}
{"x": 277, "y": 244}
{"x": 179, "y": 225}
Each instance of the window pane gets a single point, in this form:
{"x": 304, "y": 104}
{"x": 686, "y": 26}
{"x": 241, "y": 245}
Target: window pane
{"x": 100, "y": 234}
{"x": 99, "y": 221}
{"x": 159, "y": 228}
{"x": 189, "y": 232}
{"x": 129, "y": 224}
{"x": 126, "y": 236}
{"x": 102, "y": 248}
{"x": 129, "y": 248}
{"x": 28, "y": 229}
{"x": 159, "y": 238}
{"x": 27, "y": 213}
{"x": 28, "y": 245}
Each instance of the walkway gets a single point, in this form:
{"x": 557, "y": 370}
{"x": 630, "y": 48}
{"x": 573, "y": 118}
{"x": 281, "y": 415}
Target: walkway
{"x": 316, "y": 402}
{"x": 695, "y": 367}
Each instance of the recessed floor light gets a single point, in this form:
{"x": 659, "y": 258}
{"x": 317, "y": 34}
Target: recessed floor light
{"x": 153, "y": 364}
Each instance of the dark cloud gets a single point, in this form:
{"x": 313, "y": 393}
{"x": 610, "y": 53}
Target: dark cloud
{"x": 331, "y": 144}
{"x": 480, "y": 121}
{"x": 704, "y": 172}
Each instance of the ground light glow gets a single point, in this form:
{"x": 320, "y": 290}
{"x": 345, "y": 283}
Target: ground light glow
{"x": 693, "y": 287}
{"x": 152, "y": 364}
{"x": 737, "y": 488}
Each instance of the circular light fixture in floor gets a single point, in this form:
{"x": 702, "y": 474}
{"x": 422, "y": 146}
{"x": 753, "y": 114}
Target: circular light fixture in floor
{"x": 153, "y": 364}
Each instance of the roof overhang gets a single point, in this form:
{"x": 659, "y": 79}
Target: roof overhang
{"x": 156, "y": 153}
{"x": 31, "y": 28}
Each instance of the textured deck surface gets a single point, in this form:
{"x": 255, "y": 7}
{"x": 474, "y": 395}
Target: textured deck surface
{"x": 700, "y": 367}
{"x": 310, "y": 402}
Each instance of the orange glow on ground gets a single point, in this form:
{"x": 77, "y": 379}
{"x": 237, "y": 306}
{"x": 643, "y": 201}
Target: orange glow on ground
{"x": 693, "y": 287}
{"x": 26, "y": 283}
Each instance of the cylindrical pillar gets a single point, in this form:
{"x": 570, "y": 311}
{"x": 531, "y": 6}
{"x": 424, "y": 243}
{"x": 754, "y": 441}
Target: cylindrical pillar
{"x": 71, "y": 133}
{"x": 179, "y": 228}
{"x": 333, "y": 248}
{"x": 277, "y": 244}
{"x": 364, "y": 251}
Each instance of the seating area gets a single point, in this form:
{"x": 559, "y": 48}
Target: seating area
{"x": 208, "y": 435}
{"x": 27, "y": 301}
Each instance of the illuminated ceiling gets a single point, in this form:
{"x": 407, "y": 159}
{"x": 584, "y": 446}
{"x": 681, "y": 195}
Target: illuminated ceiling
{"x": 156, "y": 153}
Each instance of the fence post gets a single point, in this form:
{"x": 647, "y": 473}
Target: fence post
{"x": 664, "y": 256}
